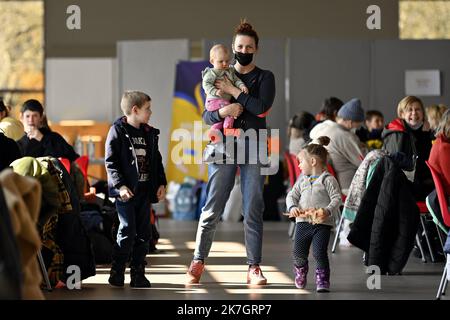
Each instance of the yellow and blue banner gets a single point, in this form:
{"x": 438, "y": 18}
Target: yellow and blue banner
{"x": 186, "y": 135}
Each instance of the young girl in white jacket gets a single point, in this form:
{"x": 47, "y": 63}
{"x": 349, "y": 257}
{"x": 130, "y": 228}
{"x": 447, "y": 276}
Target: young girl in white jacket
{"x": 313, "y": 201}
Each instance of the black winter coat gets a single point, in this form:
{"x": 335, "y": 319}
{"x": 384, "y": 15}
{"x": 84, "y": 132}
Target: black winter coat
{"x": 9, "y": 151}
{"x": 51, "y": 145}
{"x": 121, "y": 161}
{"x": 399, "y": 137}
{"x": 387, "y": 220}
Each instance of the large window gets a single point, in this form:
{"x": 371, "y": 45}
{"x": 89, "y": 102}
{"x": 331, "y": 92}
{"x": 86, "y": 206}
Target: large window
{"x": 22, "y": 52}
{"x": 424, "y": 19}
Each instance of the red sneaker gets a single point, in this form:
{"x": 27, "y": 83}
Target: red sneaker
{"x": 195, "y": 271}
{"x": 255, "y": 276}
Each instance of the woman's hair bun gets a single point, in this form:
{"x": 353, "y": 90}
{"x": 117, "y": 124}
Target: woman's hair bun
{"x": 244, "y": 26}
{"x": 323, "y": 140}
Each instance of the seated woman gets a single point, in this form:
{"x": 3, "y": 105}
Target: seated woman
{"x": 329, "y": 110}
{"x": 440, "y": 152}
{"x": 10, "y": 127}
{"x": 434, "y": 115}
{"x": 410, "y": 134}
{"x": 298, "y": 131}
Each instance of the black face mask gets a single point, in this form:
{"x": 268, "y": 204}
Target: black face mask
{"x": 244, "y": 59}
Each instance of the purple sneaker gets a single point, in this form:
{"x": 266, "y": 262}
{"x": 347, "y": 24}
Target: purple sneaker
{"x": 322, "y": 280}
{"x": 300, "y": 276}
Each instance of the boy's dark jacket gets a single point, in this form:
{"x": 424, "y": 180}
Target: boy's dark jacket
{"x": 51, "y": 145}
{"x": 121, "y": 160}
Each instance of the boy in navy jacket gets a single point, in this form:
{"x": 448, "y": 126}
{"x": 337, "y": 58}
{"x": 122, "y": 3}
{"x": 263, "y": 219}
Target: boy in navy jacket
{"x": 136, "y": 178}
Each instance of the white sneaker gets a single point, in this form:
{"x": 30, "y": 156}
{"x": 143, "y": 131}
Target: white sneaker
{"x": 343, "y": 242}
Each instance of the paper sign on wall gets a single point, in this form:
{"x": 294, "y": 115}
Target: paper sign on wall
{"x": 422, "y": 83}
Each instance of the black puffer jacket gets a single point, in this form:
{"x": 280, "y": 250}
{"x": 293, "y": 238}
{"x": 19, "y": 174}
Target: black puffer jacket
{"x": 387, "y": 219}
{"x": 399, "y": 137}
{"x": 9, "y": 151}
{"x": 121, "y": 161}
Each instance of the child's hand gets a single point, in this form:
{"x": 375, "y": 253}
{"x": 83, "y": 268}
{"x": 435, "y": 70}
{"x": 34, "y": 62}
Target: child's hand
{"x": 34, "y": 133}
{"x": 319, "y": 215}
{"x": 296, "y": 212}
{"x": 219, "y": 93}
{"x": 161, "y": 193}
{"x": 322, "y": 213}
{"x": 125, "y": 193}
{"x": 244, "y": 89}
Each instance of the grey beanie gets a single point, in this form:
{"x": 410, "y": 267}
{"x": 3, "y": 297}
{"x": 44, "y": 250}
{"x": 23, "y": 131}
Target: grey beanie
{"x": 352, "y": 110}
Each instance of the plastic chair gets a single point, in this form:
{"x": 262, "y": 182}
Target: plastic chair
{"x": 66, "y": 163}
{"x": 83, "y": 163}
{"x": 443, "y": 205}
{"x": 423, "y": 213}
{"x": 293, "y": 169}
{"x": 331, "y": 169}
{"x": 294, "y": 173}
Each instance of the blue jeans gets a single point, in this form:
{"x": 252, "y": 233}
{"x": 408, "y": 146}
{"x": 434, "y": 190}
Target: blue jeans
{"x": 220, "y": 184}
{"x": 134, "y": 230}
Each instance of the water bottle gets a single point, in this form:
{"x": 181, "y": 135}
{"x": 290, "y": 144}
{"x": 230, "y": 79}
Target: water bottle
{"x": 91, "y": 149}
{"x": 78, "y": 146}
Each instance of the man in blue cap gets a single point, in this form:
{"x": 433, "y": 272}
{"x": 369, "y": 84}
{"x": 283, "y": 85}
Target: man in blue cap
{"x": 345, "y": 149}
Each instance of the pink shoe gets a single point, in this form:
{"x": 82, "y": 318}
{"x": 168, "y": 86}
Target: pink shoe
{"x": 255, "y": 276}
{"x": 195, "y": 271}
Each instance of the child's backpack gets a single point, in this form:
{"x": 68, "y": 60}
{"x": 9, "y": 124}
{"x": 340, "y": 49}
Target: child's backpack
{"x": 185, "y": 202}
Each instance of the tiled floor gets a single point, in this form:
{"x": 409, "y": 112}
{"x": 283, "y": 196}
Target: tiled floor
{"x": 225, "y": 273}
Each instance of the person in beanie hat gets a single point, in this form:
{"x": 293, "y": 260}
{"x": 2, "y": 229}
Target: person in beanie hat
{"x": 345, "y": 149}
{"x": 353, "y": 111}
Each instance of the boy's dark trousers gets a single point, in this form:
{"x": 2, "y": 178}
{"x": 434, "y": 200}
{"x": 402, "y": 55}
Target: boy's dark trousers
{"x": 134, "y": 230}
